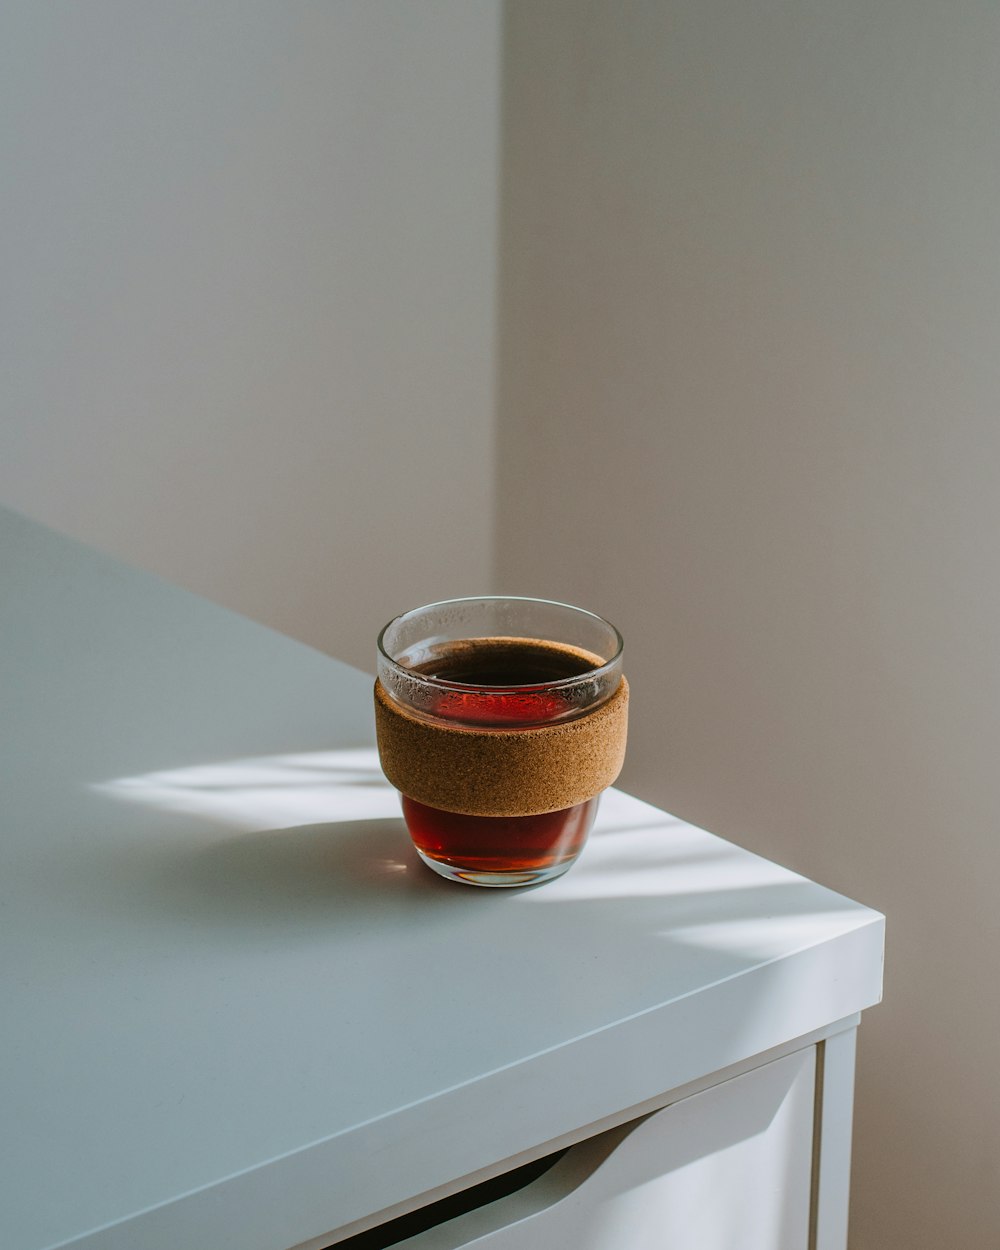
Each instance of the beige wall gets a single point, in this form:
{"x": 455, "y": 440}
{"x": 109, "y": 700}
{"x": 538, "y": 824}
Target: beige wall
{"x": 248, "y": 304}
{"x": 749, "y": 404}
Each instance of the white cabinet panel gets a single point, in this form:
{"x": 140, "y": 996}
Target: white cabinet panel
{"x": 202, "y": 868}
{"x": 730, "y": 1167}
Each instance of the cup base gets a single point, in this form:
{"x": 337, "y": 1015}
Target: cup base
{"x": 494, "y": 880}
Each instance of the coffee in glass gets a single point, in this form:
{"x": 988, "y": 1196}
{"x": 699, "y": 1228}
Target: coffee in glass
{"x": 500, "y": 720}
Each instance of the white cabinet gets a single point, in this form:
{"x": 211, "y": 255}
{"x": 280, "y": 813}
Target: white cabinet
{"x": 238, "y": 1014}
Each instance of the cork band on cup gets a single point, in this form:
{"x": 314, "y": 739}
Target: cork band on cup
{"x": 502, "y": 772}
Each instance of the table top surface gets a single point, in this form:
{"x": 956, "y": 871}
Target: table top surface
{"x": 238, "y": 1011}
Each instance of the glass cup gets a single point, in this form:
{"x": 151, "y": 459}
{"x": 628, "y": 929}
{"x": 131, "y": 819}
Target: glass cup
{"x": 500, "y": 721}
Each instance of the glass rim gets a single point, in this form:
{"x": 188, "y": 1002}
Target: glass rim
{"x": 559, "y": 683}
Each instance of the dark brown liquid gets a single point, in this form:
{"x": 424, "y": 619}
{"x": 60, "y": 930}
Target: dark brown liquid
{"x": 506, "y": 661}
{"x": 508, "y": 677}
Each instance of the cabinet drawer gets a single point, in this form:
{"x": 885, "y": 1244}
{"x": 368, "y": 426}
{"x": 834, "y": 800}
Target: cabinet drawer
{"x": 729, "y": 1167}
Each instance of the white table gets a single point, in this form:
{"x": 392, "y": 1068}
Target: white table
{"x": 236, "y": 1011}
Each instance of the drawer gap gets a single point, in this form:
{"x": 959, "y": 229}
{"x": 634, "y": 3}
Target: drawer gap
{"x": 404, "y": 1226}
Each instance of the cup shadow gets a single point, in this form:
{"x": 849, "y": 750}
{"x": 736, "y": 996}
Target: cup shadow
{"x": 303, "y": 879}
